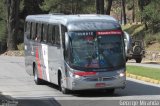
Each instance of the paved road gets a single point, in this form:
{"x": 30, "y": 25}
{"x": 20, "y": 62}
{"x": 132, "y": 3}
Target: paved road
{"x": 144, "y": 64}
{"x": 15, "y": 83}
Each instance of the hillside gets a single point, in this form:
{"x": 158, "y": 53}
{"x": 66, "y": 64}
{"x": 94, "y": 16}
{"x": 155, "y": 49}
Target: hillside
{"x": 137, "y": 31}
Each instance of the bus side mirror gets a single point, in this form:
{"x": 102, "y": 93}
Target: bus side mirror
{"x": 66, "y": 41}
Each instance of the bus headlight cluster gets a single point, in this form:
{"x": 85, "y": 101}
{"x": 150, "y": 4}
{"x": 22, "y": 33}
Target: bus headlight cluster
{"x": 121, "y": 73}
{"x": 72, "y": 75}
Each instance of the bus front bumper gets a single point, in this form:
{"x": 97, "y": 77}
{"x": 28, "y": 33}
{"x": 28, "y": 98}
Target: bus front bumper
{"x": 86, "y": 84}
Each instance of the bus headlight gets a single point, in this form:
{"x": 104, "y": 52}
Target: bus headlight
{"x": 121, "y": 73}
{"x": 72, "y": 75}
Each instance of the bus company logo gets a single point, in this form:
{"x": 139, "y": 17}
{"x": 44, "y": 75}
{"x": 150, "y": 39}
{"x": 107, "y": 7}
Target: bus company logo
{"x": 117, "y": 32}
{"x": 84, "y": 33}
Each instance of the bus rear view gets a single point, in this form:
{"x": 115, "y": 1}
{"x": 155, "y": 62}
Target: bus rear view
{"x": 95, "y": 56}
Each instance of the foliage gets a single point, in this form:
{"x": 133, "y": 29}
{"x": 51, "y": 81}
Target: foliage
{"x": 3, "y": 34}
{"x": 3, "y": 31}
{"x": 31, "y": 7}
{"x": 69, "y": 6}
{"x": 158, "y": 38}
{"x": 2, "y": 10}
{"x": 149, "y": 39}
{"x": 151, "y": 15}
{"x": 20, "y": 46}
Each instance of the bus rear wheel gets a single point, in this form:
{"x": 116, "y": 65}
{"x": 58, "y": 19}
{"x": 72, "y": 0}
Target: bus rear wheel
{"x": 36, "y": 79}
{"x": 61, "y": 88}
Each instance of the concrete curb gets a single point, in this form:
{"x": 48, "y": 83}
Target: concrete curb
{"x": 143, "y": 78}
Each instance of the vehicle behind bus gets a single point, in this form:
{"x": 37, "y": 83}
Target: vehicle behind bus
{"x": 76, "y": 52}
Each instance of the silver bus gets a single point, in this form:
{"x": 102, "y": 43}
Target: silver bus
{"x": 75, "y": 52}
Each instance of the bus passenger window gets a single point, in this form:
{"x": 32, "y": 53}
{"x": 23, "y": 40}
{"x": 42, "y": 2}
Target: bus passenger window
{"x": 64, "y": 30}
{"x": 34, "y": 31}
{"x": 28, "y": 30}
{"x": 45, "y": 32}
{"x": 39, "y": 32}
{"x": 57, "y": 35}
{"x": 51, "y": 38}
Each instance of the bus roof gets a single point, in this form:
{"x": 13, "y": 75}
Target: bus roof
{"x": 65, "y": 19}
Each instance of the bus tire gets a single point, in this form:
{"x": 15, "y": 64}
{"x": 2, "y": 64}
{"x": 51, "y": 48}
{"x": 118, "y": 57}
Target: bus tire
{"x": 110, "y": 91}
{"x": 36, "y": 79}
{"x": 61, "y": 88}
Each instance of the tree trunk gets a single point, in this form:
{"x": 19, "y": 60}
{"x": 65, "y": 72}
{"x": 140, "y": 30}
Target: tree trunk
{"x": 133, "y": 12}
{"x": 12, "y": 23}
{"x": 124, "y": 11}
{"x": 109, "y": 5}
{"x": 100, "y": 6}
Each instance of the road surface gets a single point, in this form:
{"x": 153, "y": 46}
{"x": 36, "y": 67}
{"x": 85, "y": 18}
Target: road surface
{"x": 16, "y": 84}
{"x": 143, "y": 64}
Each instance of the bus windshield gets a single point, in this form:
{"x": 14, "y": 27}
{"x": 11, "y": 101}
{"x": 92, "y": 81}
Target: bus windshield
{"x": 97, "y": 49}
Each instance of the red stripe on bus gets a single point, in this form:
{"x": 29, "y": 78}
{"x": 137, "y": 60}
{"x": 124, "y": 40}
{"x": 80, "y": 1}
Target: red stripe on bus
{"x": 85, "y": 73}
{"x": 38, "y": 64}
{"x": 115, "y": 32}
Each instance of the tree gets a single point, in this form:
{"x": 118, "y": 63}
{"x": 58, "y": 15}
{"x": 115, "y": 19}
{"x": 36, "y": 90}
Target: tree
{"x": 31, "y": 7}
{"x": 12, "y": 22}
{"x": 100, "y": 6}
{"x": 68, "y": 6}
{"x": 123, "y": 12}
{"x": 151, "y": 15}
{"x": 109, "y": 5}
{"x": 2, "y": 22}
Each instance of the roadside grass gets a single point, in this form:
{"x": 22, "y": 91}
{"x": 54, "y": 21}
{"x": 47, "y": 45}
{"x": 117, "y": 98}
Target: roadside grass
{"x": 153, "y": 73}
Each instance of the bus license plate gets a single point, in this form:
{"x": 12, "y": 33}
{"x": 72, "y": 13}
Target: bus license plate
{"x": 100, "y": 84}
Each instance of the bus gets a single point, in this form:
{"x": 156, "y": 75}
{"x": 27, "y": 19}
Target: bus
{"x": 75, "y": 52}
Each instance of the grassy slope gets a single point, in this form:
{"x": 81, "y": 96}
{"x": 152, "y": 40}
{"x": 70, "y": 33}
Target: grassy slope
{"x": 138, "y": 31}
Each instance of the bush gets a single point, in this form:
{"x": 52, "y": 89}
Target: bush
{"x": 149, "y": 39}
{"x": 158, "y": 37}
{"x": 20, "y": 47}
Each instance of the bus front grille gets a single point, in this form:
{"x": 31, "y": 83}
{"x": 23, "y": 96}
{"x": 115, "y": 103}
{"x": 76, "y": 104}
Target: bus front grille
{"x": 99, "y": 79}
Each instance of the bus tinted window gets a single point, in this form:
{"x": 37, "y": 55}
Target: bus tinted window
{"x": 29, "y": 37}
{"x": 51, "y": 37}
{"x": 39, "y": 32}
{"x": 34, "y": 31}
{"x": 63, "y": 30}
{"x": 28, "y": 26}
{"x": 57, "y": 35}
{"x": 45, "y": 32}
{"x": 28, "y": 29}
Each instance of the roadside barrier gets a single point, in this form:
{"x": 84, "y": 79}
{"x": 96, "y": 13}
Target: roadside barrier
{"x": 146, "y": 79}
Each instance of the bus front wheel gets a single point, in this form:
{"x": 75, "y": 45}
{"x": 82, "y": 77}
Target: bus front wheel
{"x": 110, "y": 91}
{"x": 60, "y": 82}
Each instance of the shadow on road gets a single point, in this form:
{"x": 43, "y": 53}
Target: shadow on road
{"x": 6, "y": 100}
{"x": 132, "y": 89}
